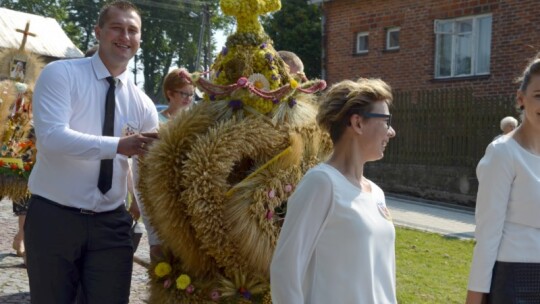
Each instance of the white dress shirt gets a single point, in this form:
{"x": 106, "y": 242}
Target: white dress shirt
{"x": 336, "y": 245}
{"x": 507, "y": 210}
{"x": 69, "y": 109}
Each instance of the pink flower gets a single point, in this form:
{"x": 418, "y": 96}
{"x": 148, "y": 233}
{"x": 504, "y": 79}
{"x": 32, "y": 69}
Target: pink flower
{"x": 271, "y": 193}
{"x": 269, "y": 214}
{"x": 288, "y": 188}
{"x": 190, "y": 289}
{"x": 242, "y": 82}
{"x": 214, "y": 295}
{"x": 167, "y": 283}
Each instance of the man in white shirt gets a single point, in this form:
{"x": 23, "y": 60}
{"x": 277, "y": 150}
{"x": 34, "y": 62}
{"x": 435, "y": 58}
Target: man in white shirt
{"x": 89, "y": 118}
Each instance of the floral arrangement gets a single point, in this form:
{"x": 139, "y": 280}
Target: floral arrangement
{"x": 236, "y": 159}
{"x": 254, "y": 77}
{"x": 215, "y": 290}
{"x": 17, "y": 147}
{"x": 248, "y": 11}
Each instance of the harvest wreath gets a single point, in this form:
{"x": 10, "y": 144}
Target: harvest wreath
{"x": 216, "y": 184}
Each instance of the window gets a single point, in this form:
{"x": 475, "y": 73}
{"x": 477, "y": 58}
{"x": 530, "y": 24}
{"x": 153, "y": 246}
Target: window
{"x": 392, "y": 38}
{"x": 463, "y": 46}
{"x": 362, "y": 43}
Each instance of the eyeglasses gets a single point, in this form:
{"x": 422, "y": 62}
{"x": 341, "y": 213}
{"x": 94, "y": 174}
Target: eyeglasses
{"x": 379, "y": 115}
{"x": 184, "y": 94}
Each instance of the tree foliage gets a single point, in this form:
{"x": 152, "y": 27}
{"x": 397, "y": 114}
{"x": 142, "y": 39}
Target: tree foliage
{"x": 297, "y": 28}
{"x": 170, "y": 31}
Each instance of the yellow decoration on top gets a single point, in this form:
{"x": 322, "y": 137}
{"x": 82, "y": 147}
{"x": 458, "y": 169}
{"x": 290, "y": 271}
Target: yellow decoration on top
{"x": 247, "y": 12}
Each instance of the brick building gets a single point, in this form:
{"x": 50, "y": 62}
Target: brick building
{"x": 426, "y": 44}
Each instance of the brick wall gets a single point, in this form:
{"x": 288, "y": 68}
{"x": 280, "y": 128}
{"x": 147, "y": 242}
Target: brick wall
{"x": 515, "y": 38}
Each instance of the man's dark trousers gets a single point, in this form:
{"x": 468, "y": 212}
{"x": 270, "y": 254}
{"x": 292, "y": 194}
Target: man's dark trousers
{"x": 66, "y": 247}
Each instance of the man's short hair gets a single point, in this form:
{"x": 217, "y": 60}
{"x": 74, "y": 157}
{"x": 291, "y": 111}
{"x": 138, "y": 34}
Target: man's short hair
{"x": 292, "y": 60}
{"x": 119, "y": 4}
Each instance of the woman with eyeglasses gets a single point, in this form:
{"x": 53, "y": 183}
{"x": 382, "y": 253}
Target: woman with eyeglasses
{"x": 178, "y": 91}
{"x": 506, "y": 261}
{"x": 337, "y": 241}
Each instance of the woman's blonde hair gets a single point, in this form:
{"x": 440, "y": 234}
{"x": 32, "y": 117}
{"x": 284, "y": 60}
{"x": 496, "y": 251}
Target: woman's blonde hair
{"x": 349, "y": 97}
{"x": 176, "y": 79}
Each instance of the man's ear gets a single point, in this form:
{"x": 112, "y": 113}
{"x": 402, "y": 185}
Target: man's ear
{"x": 97, "y": 32}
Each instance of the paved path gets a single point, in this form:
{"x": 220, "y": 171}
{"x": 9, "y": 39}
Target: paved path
{"x": 432, "y": 216}
{"x": 14, "y": 280}
{"x": 406, "y": 211}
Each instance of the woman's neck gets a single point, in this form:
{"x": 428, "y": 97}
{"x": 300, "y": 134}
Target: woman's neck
{"x": 528, "y": 137}
{"x": 350, "y": 164}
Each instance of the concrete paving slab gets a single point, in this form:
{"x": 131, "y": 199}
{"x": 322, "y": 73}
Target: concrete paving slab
{"x": 435, "y": 217}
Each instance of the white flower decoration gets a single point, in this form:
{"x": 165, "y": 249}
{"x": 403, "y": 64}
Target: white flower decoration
{"x": 21, "y": 87}
{"x": 259, "y": 81}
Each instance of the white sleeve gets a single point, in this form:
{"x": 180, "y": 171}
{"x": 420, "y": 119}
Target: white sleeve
{"x": 52, "y": 113}
{"x": 495, "y": 174}
{"x": 307, "y": 211}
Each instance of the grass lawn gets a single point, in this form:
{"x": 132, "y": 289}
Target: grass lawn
{"x": 431, "y": 268}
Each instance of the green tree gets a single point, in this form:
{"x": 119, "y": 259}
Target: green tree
{"x": 170, "y": 31}
{"x": 297, "y": 28}
{"x": 83, "y": 16}
{"x": 169, "y": 39}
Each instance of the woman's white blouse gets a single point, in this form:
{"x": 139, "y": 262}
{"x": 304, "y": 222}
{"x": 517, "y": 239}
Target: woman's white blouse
{"x": 507, "y": 210}
{"x": 336, "y": 245}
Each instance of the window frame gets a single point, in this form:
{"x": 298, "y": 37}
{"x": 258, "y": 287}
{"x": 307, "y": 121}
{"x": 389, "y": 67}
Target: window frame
{"x": 474, "y": 46}
{"x": 358, "y": 36}
{"x": 388, "y": 32}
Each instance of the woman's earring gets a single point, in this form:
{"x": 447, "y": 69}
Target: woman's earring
{"x": 522, "y": 107}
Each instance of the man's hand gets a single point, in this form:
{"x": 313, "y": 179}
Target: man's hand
{"x": 136, "y": 144}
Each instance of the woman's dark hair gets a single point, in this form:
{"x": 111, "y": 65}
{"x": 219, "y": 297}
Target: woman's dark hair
{"x": 533, "y": 68}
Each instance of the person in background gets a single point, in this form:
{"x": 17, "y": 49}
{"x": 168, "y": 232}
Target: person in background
{"x": 77, "y": 227}
{"x": 337, "y": 241}
{"x": 179, "y": 91}
{"x": 508, "y": 124}
{"x": 91, "y": 51}
{"x": 506, "y": 260}
{"x": 296, "y": 66}
{"x": 19, "y": 209}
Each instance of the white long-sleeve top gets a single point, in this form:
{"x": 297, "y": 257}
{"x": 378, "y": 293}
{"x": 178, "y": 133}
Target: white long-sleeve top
{"x": 69, "y": 109}
{"x": 336, "y": 245}
{"x": 507, "y": 210}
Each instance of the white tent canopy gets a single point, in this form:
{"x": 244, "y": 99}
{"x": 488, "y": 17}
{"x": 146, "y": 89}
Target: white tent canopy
{"x": 49, "y": 40}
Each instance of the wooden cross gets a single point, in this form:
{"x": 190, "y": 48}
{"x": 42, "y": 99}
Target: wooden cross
{"x": 25, "y": 33}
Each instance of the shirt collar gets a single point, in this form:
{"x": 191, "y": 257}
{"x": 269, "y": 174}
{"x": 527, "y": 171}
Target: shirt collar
{"x": 101, "y": 71}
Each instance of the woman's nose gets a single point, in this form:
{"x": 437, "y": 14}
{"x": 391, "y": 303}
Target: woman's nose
{"x": 391, "y": 132}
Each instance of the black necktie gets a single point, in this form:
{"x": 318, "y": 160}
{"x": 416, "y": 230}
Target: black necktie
{"x": 106, "y": 166}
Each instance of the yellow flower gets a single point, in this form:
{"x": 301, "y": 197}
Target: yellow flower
{"x": 294, "y": 84}
{"x": 183, "y": 281}
{"x": 162, "y": 269}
